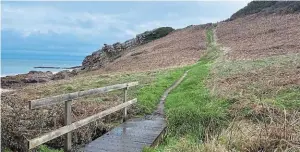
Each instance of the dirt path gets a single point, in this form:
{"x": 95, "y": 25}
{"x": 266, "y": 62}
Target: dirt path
{"x": 160, "y": 109}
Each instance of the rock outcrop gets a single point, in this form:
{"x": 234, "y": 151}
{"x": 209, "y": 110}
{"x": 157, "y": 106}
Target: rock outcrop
{"x": 109, "y": 53}
{"x": 34, "y": 77}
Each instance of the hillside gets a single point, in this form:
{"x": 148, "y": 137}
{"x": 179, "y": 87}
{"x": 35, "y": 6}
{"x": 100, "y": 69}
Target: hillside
{"x": 258, "y": 72}
{"x": 241, "y": 93}
{"x": 178, "y": 48}
{"x": 182, "y": 47}
{"x": 268, "y": 7}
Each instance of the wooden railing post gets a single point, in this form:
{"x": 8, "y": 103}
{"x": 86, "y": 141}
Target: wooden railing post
{"x": 125, "y": 109}
{"x": 68, "y": 121}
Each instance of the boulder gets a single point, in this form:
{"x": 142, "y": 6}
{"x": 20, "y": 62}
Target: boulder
{"x": 64, "y": 74}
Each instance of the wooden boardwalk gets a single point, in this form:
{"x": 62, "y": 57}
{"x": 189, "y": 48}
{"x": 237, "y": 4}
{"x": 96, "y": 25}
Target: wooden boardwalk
{"x": 131, "y": 136}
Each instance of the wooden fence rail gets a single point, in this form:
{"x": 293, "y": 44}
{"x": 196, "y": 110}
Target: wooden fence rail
{"x": 69, "y": 126}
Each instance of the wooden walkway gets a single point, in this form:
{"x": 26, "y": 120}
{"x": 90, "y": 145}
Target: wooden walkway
{"x": 131, "y": 136}
{"x": 135, "y": 134}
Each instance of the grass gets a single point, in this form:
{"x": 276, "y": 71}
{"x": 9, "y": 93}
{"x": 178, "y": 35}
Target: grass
{"x": 147, "y": 81}
{"x": 191, "y": 110}
{"x": 148, "y": 95}
{"x": 193, "y": 114}
{"x": 226, "y": 68}
{"x": 199, "y": 120}
{"x": 264, "y": 98}
{"x": 190, "y": 107}
{"x": 44, "y": 148}
{"x": 258, "y": 110}
{"x": 7, "y": 150}
{"x": 210, "y": 37}
{"x": 289, "y": 98}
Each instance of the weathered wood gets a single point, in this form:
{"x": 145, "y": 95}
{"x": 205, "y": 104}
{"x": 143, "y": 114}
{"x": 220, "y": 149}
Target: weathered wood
{"x": 68, "y": 121}
{"x": 130, "y": 136}
{"x": 63, "y": 130}
{"x": 64, "y": 97}
{"x": 125, "y": 109}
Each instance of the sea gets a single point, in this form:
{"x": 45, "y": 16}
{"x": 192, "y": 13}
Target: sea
{"x": 20, "y": 63}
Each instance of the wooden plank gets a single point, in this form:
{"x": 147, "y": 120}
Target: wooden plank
{"x": 68, "y": 121}
{"x": 63, "y": 130}
{"x": 125, "y": 109}
{"x": 64, "y": 97}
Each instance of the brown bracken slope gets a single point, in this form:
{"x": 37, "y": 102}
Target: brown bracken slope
{"x": 255, "y": 36}
{"x": 181, "y": 47}
{"x": 259, "y": 73}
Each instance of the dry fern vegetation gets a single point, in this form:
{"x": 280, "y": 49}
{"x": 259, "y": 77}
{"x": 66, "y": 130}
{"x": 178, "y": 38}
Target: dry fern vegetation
{"x": 179, "y": 48}
{"x": 259, "y": 72}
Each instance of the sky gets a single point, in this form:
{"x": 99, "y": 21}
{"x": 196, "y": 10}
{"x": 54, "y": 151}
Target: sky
{"x": 47, "y": 30}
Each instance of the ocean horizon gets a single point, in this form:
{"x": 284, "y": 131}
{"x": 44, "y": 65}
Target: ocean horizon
{"x": 20, "y": 63}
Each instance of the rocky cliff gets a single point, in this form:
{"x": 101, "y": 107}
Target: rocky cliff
{"x": 109, "y": 53}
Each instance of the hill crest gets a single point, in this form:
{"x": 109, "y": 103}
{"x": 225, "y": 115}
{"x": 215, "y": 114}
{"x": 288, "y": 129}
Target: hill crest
{"x": 268, "y": 7}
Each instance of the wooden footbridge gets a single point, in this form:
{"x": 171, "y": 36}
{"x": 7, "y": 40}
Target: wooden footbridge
{"x": 130, "y": 136}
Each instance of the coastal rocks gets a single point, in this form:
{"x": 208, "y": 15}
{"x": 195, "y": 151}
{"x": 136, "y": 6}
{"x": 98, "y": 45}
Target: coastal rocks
{"x": 37, "y": 77}
{"x": 94, "y": 61}
{"x": 109, "y": 53}
{"x": 113, "y": 50}
{"x": 21, "y": 80}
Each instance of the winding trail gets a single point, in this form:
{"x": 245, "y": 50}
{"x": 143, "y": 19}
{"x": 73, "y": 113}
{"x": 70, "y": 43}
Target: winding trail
{"x": 161, "y": 105}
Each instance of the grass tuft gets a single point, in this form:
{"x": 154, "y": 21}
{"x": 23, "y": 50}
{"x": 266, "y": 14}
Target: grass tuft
{"x": 44, "y": 148}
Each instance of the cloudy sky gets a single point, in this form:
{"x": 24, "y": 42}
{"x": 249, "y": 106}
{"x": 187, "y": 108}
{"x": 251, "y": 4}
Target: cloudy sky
{"x": 79, "y": 28}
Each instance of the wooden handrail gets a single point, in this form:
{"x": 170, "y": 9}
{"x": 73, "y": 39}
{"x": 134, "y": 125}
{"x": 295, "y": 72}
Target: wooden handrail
{"x": 67, "y": 98}
{"x": 63, "y": 130}
{"x": 70, "y": 96}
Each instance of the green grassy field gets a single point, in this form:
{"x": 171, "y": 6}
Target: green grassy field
{"x": 192, "y": 112}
